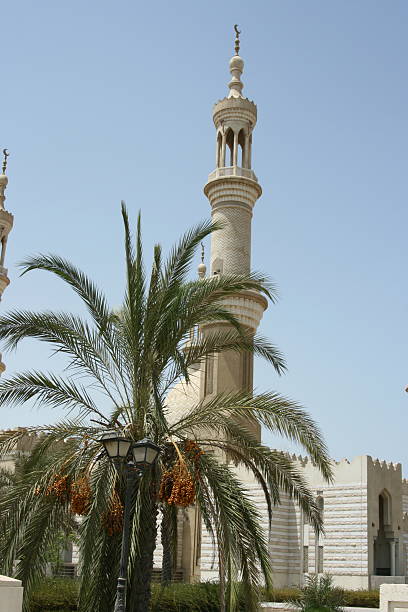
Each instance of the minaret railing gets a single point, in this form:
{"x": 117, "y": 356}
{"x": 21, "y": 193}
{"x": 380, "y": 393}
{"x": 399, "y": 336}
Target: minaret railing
{"x": 232, "y": 171}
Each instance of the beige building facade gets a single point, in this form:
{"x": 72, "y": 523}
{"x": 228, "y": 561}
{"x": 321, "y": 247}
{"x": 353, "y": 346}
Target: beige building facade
{"x": 365, "y": 540}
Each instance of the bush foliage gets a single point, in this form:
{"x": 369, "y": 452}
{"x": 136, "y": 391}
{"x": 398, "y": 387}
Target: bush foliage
{"x": 363, "y": 599}
{"x": 59, "y": 595}
{"x": 319, "y": 593}
{"x": 55, "y": 595}
{"x": 358, "y": 598}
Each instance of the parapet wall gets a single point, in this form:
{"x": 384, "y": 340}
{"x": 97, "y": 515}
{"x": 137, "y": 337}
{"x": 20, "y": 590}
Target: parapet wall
{"x": 11, "y": 595}
{"x": 344, "y": 471}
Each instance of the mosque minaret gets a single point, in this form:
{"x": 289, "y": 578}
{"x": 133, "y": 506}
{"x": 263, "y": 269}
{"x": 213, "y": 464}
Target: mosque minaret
{"x": 6, "y": 224}
{"x": 232, "y": 190}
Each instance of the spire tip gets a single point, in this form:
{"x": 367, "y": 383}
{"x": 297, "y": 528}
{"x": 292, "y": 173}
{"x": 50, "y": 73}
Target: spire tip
{"x": 6, "y": 155}
{"x": 237, "y": 33}
{"x": 202, "y": 268}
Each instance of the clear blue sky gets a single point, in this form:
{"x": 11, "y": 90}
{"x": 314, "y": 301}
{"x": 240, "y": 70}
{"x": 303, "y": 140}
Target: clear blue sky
{"x": 106, "y": 100}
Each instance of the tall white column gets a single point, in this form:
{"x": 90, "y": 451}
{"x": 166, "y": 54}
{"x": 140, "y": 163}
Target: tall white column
{"x": 245, "y": 161}
{"x": 235, "y": 157}
{"x": 223, "y": 148}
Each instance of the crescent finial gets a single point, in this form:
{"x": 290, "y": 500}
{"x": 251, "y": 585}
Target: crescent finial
{"x": 6, "y": 154}
{"x": 237, "y": 32}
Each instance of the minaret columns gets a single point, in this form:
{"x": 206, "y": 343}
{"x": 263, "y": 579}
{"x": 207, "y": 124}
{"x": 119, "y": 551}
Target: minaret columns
{"x": 233, "y": 187}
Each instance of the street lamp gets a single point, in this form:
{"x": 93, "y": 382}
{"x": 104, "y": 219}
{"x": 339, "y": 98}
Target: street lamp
{"x": 135, "y": 457}
{"x": 144, "y": 452}
{"x": 116, "y": 445}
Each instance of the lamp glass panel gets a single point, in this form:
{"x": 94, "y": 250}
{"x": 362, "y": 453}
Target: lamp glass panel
{"x": 139, "y": 454}
{"x": 124, "y": 446}
{"x": 151, "y": 455}
{"x": 111, "y": 447}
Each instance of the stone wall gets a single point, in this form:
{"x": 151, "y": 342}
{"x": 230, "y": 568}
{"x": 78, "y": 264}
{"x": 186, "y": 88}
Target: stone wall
{"x": 343, "y": 550}
{"x": 345, "y": 522}
{"x": 393, "y": 597}
{"x": 11, "y": 595}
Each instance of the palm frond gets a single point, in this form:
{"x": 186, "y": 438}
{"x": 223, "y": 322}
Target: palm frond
{"x": 244, "y": 548}
{"x": 275, "y": 412}
{"x": 86, "y": 289}
{"x": 180, "y": 259}
{"x": 49, "y": 390}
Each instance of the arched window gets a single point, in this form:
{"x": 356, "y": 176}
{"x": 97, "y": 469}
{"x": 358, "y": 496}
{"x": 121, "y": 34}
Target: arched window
{"x": 385, "y": 550}
{"x": 229, "y": 145}
{"x": 384, "y": 508}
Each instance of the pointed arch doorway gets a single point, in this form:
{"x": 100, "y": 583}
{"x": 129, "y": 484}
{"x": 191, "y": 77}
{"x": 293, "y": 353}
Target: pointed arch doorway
{"x": 385, "y": 554}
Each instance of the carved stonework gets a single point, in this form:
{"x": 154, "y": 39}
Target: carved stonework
{"x": 230, "y": 109}
{"x": 234, "y": 190}
{"x": 248, "y": 307}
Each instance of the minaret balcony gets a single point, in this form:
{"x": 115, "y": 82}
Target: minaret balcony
{"x": 247, "y": 306}
{"x": 232, "y": 171}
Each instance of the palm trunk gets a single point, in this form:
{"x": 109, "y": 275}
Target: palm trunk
{"x": 221, "y": 570}
{"x": 139, "y": 599}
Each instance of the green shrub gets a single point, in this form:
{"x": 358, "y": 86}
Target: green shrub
{"x": 200, "y": 597}
{"x": 358, "y": 598}
{"x": 60, "y": 595}
{"x": 363, "y": 599}
{"x": 320, "y": 593}
{"x": 282, "y": 595}
{"x": 55, "y": 595}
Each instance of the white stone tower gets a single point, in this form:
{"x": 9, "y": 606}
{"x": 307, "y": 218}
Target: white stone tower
{"x": 6, "y": 223}
{"x": 232, "y": 190}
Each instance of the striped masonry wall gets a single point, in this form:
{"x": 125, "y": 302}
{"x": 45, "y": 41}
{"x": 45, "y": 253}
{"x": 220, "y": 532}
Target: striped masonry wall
{"x": 404, "y": 499}
{"x": 294, "y": 548}
{"x": 345, "y": 542}
{"x": 283, "y": 539}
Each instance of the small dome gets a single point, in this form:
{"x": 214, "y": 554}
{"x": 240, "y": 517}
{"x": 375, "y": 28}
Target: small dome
{"x": 236, "y": 63}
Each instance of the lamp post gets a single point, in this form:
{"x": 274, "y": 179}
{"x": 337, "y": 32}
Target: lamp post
{"x": 135, "y": 457}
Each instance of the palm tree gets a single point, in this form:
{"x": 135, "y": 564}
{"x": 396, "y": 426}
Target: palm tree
{"x": 13, "y": 485}
{"x": 131, "y": 359}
